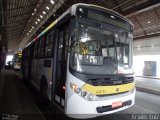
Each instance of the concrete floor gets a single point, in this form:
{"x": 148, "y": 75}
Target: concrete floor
{"x": 23, "y": 102}
{"x": 148, "y": 85}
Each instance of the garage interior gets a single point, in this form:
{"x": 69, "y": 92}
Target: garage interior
{"x": 26, "y": 18}
{"x": 23, "y": 19}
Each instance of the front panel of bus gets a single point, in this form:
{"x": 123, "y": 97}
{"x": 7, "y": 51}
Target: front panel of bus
{"x": 100, "y": 78}
{"x": 17, "y": 61}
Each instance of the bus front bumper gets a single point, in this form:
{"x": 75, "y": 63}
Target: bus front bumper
{"x": 78, "y": 107}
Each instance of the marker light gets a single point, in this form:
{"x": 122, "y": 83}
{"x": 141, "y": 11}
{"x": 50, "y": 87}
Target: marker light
{"x": 50, "y": 83}
{"x": 63, "y": 87}
{"x": 112, "y": 16}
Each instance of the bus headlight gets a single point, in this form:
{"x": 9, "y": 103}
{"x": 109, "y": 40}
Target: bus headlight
{"x": 78, "y": 91}
{"x": 90, "y": 97}
{"x": 82, "y": 93}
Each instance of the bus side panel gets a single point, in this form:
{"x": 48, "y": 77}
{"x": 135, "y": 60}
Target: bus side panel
{"x": 42, "y": 63}
{"x": 46, "y": 71}
{"x": 41, "y": 70}
{"x": 34, "y": 74}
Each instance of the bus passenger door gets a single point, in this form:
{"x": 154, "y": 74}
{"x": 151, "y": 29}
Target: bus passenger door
{"x": 59, "y": 94}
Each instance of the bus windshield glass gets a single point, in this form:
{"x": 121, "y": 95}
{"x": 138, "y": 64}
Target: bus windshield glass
{"x": 17, "y": 58}
{"x": 100, "y": 51}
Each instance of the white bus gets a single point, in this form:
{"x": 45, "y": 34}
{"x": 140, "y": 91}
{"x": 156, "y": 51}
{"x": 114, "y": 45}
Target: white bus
{"x": 83, "y": 62}
{"x": 16, "y": 62}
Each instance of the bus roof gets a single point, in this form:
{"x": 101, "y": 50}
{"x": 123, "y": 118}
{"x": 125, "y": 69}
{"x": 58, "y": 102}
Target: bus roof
{"x": 72, "y": 10}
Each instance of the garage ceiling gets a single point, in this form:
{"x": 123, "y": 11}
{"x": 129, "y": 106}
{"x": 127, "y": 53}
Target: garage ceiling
{"x": 21, "y": 16}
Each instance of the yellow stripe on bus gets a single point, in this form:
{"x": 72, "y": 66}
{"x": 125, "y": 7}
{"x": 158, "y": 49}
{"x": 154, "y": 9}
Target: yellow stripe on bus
{"x": 102, "y": 90}
{"x": 50, "y": 26}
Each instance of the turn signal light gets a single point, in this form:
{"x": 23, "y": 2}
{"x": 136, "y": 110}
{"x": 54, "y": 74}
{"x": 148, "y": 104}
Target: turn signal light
{"x": 73, "y": 87}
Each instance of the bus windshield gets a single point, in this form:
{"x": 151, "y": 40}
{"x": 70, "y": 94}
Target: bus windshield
{"x": 99, "y": 51}
{"x": 17, "y": 58}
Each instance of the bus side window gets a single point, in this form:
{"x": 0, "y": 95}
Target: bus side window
{"x": 36, "y": 49}
{"x": 46, "y": 45}
{"x": 41, "y": 48}
{"x": 49, "y": 44}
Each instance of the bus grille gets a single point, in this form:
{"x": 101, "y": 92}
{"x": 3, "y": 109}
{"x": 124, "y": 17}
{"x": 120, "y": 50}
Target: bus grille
{"x": 110, "y": 81}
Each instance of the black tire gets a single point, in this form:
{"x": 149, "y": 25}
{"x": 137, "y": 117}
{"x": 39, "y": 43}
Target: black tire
{"x": 44, "y": 90}
{"x": 24, "y": 80}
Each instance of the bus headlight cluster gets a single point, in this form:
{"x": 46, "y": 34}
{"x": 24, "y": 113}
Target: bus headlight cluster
{"x": 82, "y": 93}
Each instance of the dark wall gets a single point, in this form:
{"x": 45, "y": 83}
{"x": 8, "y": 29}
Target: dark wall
{"x": 3, "y": 35}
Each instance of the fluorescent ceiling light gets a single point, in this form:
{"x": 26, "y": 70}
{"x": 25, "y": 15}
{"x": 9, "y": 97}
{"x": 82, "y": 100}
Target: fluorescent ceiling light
{"x": 52, "y": 1}
{"x": 41, "y": 16}
{"x": 39, "y": 20}
{"x": 47, "y": 7}
{"x": 149, "y": 22}
{"x": 36, "y": 22}
{"x": 44, "y": 12}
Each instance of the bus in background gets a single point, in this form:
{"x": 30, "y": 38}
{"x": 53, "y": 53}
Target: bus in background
{"x": 83, "y": 62}
{"x": 16, "y": 62}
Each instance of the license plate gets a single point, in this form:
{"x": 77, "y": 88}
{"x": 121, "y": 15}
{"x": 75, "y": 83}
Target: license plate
{"x": 116, "y": 104}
